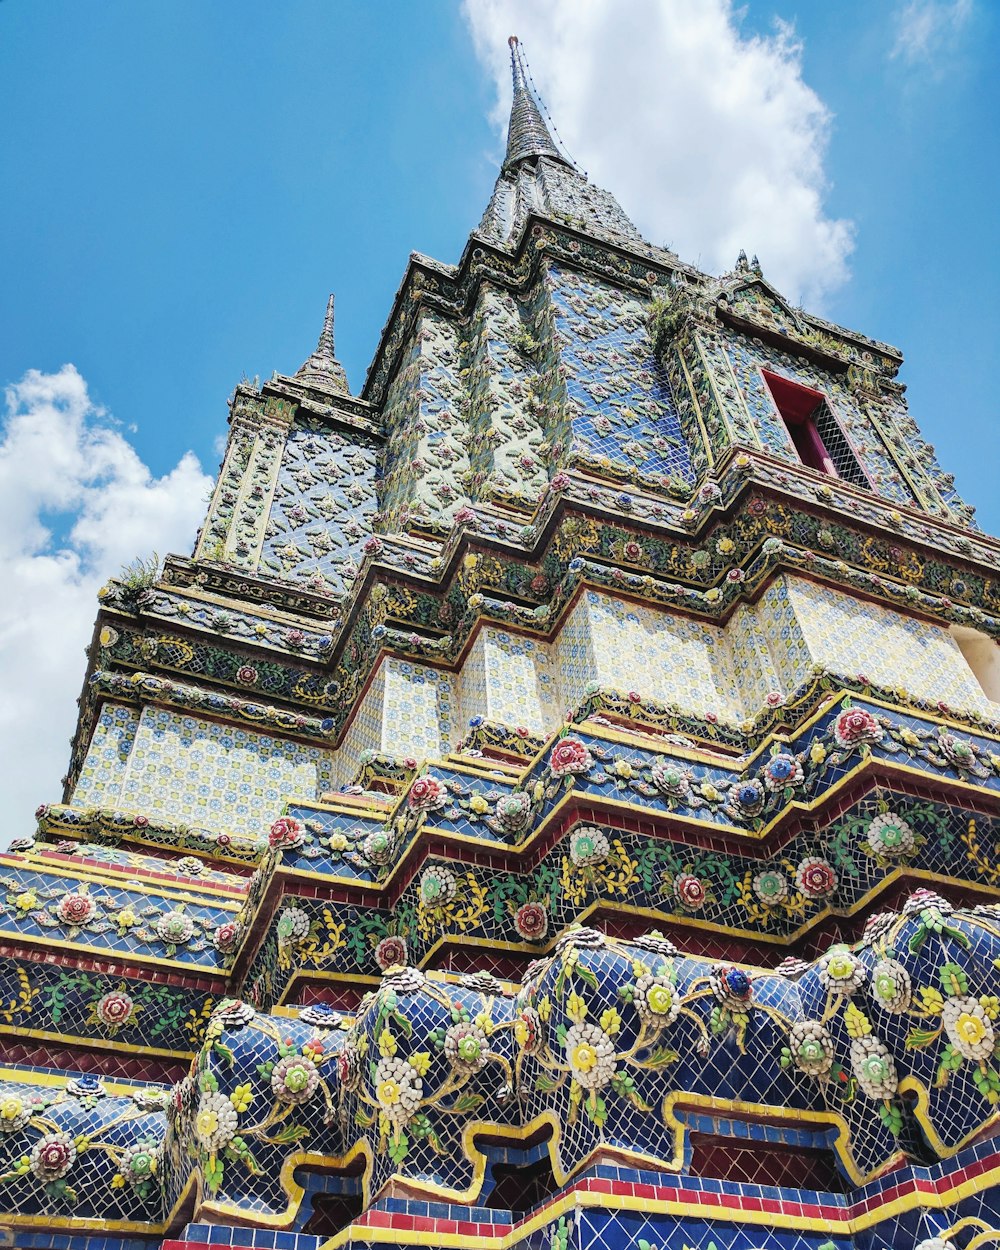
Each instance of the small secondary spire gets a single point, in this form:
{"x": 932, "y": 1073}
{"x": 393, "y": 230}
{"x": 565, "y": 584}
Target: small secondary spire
{"x": 323, "y": 370}
{"x": 527, "y": 135}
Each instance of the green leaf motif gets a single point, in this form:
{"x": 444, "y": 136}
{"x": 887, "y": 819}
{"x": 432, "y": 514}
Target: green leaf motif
{"x": 291, "y": 1133}
{"x": 399, "y": 1148}
{"x": 662, "y": 1057}
{"x": 916, "y": 1039}
{"x": 468, "y": 1102}
{"x": 586, "y": 976}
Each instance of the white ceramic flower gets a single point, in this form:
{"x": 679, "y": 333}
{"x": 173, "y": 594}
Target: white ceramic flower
{"x": 467, "y": 1047}
{"x": 293, "y": 924}
{"x": 215, "y": 1121}
{"x": 969, "y": 1028}
{"x": 404, "y": 981}
{"x": 590, "y": 1053}
{"x": 174, "y": 927}
{"x": 771, "y": 887}
{"x": 891, "y": 986}
{"x": 139, "y": 1163}
{"x": 580, "y": 937}
{"x": 874, "y": 1067}
{"x": 811, "y": 1048}
{"x": 294, "y": 1079}
{"x": 841, "y": 972}
{"x": 656, "y": 1000}
{"x": 589, "y": 846}
{"x": 14, "y": 1112}
{"x": 438, "y": 886}
{"x": 891, "y": 837}
{"x": 398, "y": 1090}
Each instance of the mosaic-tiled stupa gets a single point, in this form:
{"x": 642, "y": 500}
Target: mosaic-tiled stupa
{"x": 556, "y": 806}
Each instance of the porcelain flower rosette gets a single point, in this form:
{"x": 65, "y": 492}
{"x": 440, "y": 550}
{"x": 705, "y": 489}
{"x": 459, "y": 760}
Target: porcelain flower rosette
{"x": 427, "y": 1056}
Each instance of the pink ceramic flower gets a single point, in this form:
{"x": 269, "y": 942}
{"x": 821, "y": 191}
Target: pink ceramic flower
{"x": 531, "y": 922}
{"x": 115, "y": 1009}
{"x": 287, "y": 832}
{"x": 391, "y": 952}
{"x": 426, "y": 794}
{"x": 569, "y": 755}
{"x": 690, "y": 891}
{"x": 75, "y": 909}
{"x": 855, "y": 726}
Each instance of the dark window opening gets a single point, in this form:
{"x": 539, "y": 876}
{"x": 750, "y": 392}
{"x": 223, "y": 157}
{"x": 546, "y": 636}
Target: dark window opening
{"x": 814, "y": 430}
{"x": 766, "y": 1163}
{"x": 521, "y": 1188}
{"x": 333, "y": 1212}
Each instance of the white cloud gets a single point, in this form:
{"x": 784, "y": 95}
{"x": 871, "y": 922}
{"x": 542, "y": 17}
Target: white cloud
{"x": 76, "y": 503}
{"x": 709, "y": 137}
{"x": 928, "y": 30}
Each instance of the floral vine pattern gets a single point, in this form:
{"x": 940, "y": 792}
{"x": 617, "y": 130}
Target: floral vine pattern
{"x": 598, "y": 1040}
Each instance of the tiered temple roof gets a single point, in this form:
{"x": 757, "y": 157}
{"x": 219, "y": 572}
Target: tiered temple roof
{"x": 554, "y": 806}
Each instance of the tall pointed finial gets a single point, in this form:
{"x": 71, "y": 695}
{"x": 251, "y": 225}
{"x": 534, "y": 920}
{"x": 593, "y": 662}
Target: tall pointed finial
{"x": 527, "y": 134}
{"x": 326, "y": 336}
{"x": 323, "y": 371}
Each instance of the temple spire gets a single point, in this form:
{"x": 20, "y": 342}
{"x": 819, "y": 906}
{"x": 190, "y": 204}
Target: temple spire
{"x": 323, "y": 371}
{"x": 527, "y": 135}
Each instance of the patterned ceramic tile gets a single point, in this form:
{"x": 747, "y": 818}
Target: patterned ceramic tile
{"x": 216, "y": 776}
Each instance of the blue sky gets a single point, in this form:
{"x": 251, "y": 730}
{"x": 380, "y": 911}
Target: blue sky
{"x": 185, "y": 183}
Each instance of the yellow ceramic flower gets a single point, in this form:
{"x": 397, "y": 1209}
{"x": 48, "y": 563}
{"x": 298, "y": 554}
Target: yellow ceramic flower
{"x": 909, "y": 737}
{"x": 611, "y": 1021}
{"x": 478, "y": 804}
{"x": 387, "y": 1093}
{"x": 538, "y": 791}
{"x": 972, "y": 1029}
{"x": 817, "y": 753}
{"x": 709, "y": 792}
{"x": 576, "y": 1008}
{"x": 386, "y": 1044}
{"x": 544, "y": 1008}
{"x": 931, "y": 1000}
{"x": 522, "y": 1034}
{"x": 583, "y": 1057}
{"x": 10, "y": 1107}
{"x": 206, "y": 1123}
{"x": 126, "y": 918}
{"x": 241, "y": 1098}
{"x": 725, "y": 546}
{"x": 991, "y": 1005}
{"x": 420, "y": 1062}
{"x": 856, "y": 1022}
{"x": 26, "y": 900}
{"x": 660, "y": 999}
{"x": 623, "y": 768}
